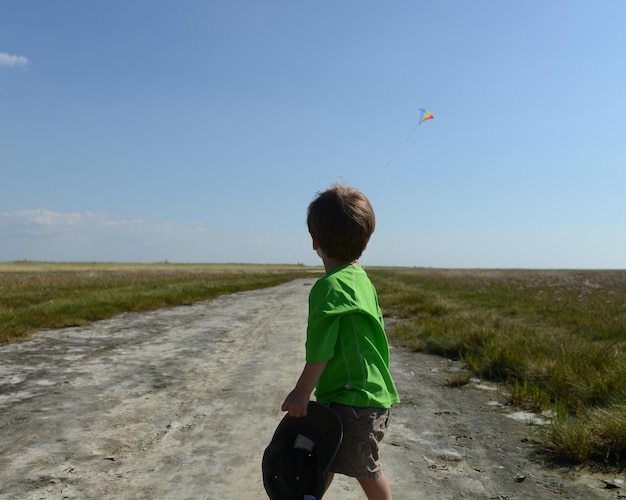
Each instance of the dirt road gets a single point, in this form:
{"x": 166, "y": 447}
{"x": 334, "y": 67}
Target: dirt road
{"x": 180, "y": 404}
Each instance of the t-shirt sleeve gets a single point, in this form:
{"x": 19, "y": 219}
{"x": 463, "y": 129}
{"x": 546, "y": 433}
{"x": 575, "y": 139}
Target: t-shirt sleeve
{"x": 321, "y": 338}
{"x": 323, "y": 325}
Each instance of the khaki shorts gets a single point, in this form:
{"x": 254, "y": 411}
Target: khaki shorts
{"x": 363, "y": 429}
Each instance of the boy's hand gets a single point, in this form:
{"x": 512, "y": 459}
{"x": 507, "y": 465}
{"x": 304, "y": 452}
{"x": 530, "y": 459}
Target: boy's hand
{"x": 296, "y": 403}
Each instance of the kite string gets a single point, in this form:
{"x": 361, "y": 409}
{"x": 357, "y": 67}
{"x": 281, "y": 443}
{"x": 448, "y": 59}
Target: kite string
{"x": 387, "y": 166}
{"x": 424, "y": 115}
{"x": 399, "y": 148}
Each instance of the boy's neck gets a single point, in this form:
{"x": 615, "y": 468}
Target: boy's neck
{"x": 330, "y": 263}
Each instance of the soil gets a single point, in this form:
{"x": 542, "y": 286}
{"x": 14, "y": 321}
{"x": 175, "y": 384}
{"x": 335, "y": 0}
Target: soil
{"x": 180, "y": 403}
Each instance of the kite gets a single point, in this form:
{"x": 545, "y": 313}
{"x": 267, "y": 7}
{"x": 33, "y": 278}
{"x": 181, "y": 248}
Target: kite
{"x": 424, "y": 115}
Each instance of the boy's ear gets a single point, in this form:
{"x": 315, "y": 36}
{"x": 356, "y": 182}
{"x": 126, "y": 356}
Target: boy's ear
{"x": 315, "y": 243}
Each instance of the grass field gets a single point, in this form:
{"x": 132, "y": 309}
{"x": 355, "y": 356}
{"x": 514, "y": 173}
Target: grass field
{"x": 556, "y": 338}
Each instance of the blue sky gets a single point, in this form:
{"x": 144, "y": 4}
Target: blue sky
{"x": 199, "y": 131}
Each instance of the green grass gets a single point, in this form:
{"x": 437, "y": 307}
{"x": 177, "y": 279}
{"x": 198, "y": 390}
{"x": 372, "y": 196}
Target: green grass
{"x": 35, "y": 296}
{"x": 557, "y": 338}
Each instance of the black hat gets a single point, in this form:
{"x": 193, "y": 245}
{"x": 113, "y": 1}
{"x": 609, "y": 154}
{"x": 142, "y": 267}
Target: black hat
{"x": 296, "y": 461}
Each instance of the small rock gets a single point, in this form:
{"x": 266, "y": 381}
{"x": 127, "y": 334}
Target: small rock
{"x": 450, "y": 456}
{"x": 519, "y": 478}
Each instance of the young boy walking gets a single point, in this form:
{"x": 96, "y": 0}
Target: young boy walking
{"x": 347, "y": 355}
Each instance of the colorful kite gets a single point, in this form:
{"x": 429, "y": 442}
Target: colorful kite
{"x": 425, "y": 115}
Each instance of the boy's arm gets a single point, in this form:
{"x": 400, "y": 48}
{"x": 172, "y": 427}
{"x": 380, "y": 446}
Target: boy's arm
{"x": 297, "y": 401}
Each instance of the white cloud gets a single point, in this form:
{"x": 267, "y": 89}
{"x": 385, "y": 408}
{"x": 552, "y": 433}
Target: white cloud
{"x": 46, "y": 235}
{"x": 10, "y": 60}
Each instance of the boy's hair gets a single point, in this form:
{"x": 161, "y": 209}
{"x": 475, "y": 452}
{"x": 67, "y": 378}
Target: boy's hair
{"x": 341, "y": 220}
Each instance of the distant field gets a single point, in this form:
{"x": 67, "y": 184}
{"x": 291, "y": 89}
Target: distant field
{"x": 39, "y": 295}
{"x": 35, "y": 267}
{"x": 556, "y": 338}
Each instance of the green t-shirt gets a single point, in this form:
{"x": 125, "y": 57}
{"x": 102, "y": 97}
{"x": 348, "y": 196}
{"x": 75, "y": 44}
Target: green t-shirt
{"x": 345, "y": 329}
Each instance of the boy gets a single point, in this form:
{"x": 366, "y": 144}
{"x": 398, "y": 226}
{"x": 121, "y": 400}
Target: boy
{"x": 347, "y": 355}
